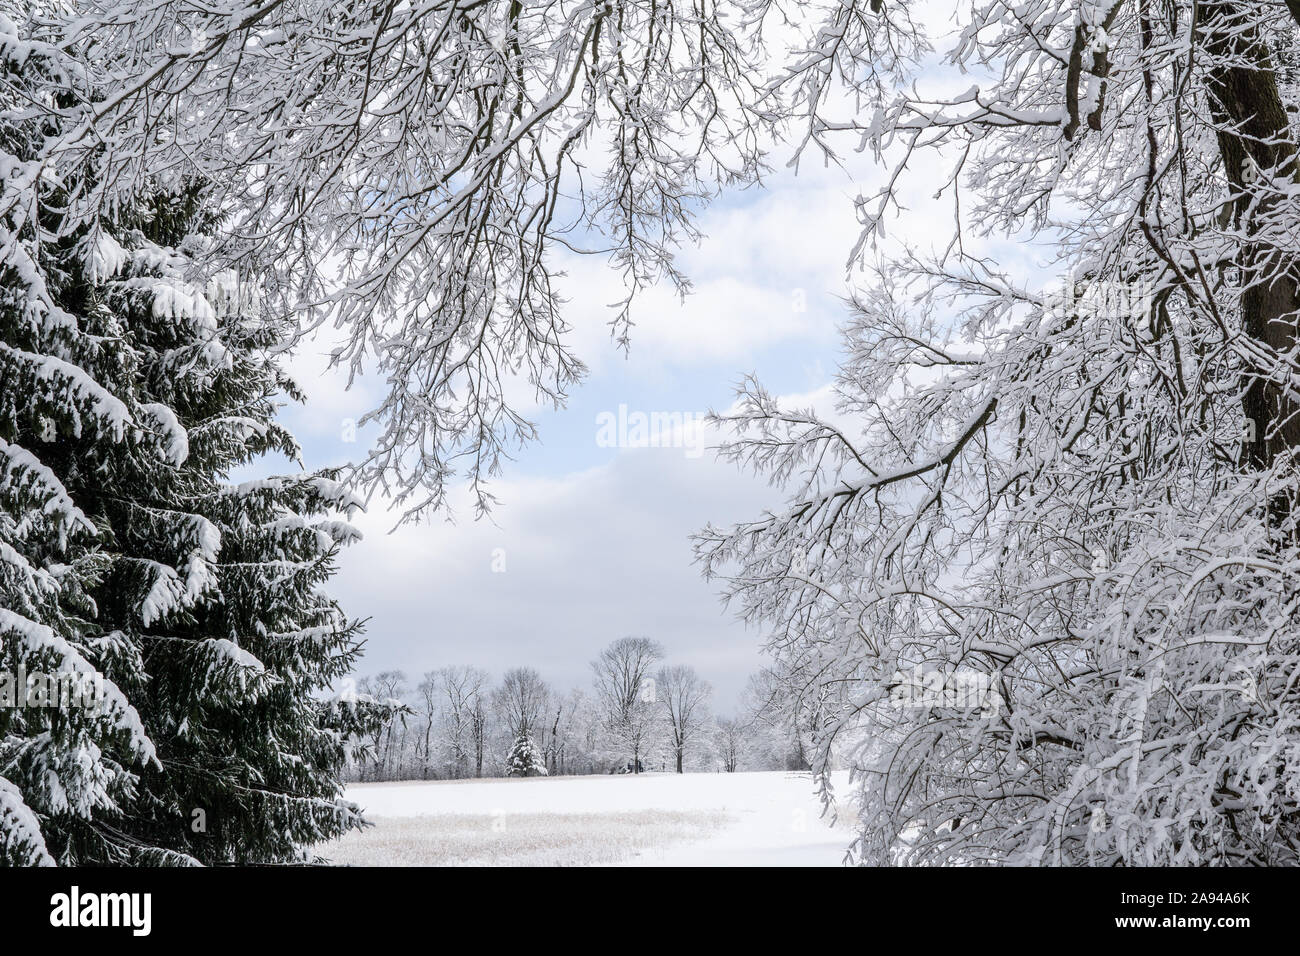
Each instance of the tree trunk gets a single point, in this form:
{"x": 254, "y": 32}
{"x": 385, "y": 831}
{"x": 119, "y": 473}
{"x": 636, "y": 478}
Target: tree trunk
{"x": 478, "y": 746}
{"x": 1255, "y": 136}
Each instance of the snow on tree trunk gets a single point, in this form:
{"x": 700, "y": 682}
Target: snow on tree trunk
{"x": 1029, "y": 580}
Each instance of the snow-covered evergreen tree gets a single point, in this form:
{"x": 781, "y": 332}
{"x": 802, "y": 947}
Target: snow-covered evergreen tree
{"x": 219, "y": 584}
{"x": 524, "y": 759}
{"x": 60, "y": 767}
{"x": 132, "y": 385}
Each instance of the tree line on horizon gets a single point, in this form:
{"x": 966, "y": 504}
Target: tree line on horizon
{"x": 639, "y": 714}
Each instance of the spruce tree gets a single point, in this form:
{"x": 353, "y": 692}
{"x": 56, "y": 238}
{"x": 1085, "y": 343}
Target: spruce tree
{"x": 524, "y": 759}
{"x": 61, "y": 768}
{"x": 132, "y": 385}
{"x": 220, "y": 584}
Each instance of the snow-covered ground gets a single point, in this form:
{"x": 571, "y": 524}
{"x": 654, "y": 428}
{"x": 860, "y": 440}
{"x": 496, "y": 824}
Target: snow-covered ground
{"x": 704, "y": 819}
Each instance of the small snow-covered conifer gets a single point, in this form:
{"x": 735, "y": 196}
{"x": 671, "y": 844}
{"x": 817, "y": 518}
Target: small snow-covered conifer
{"x": 524, "y": 759}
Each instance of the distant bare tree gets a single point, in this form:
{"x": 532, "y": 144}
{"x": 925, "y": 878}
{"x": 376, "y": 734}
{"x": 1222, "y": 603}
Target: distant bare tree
{"x": 730, "y": 739}
{"x": 478, "y": 717}
{"x": 457, "y": 693}
{"x": 776, "y": 714}
{"x": 684, "y": 697}
{"x": 428, "y": 691}
{"x": 386, "y": 687}
{"x": 521, "y": 699}
{"x": 627, "y": 693}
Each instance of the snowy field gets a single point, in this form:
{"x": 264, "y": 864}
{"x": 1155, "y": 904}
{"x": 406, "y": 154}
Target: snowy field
{"x": 704, "y": 819}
